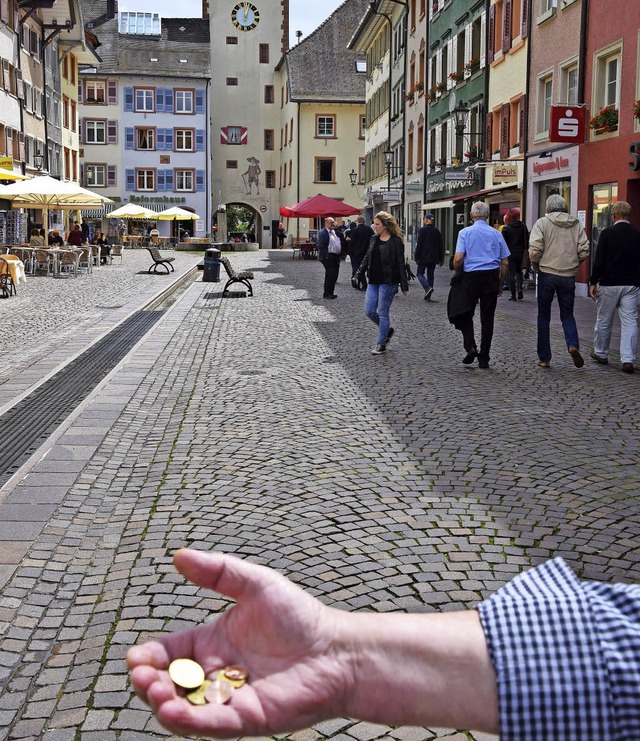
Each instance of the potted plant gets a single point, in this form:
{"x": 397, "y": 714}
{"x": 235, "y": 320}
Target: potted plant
{"x": 456, "y": 76}
{"x": 432, "y": 94}
{"x": 419, "y": 87}
{"x": 606, "y": 120}
{"x": 472, "y": 154}
{"x": 409, "y": 96}
{"x": 473, "y": 64}
{"x": 441, "y": 87}
{"x": 636, "y": 109}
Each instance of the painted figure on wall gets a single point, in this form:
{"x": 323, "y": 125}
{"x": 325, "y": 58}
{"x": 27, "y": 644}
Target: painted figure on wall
{"x": 252, "y": 176}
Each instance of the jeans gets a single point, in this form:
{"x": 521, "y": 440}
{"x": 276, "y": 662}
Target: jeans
{"x": 482, "y": 285}
{"x": 377, "y": 302}
{"x": 515, "y": 274}
{"x": 565, "y": 289}
{"x": 331, "y": 265}
{"x": 426, "y": 282}
{"x": 625, "y": 300}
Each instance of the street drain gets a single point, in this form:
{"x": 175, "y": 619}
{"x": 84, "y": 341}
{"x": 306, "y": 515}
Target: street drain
{"x": 252, "y": 373}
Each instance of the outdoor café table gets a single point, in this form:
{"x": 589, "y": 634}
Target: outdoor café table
{"x": 16, "y": 269}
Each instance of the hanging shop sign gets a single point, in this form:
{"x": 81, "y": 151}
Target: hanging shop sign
{"x": 568, "y": 124}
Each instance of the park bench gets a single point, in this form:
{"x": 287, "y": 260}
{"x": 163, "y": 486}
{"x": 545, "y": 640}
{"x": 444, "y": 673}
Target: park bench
{"x": 158, "y": 260}
{"x": 245, "y": 277}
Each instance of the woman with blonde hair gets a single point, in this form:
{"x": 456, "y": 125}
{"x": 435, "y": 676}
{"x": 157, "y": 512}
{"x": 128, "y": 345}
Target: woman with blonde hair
{"x": 385, "y": 267}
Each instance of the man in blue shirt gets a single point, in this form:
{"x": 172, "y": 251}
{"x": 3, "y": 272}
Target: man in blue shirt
{"x": 483, "y": 255}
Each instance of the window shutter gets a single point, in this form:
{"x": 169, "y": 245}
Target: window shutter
{"x": 522, "y": 144}
{"x": 80, "y": 91}
{"x": 200, "y": 175}
{"x": 199, "y": 101}
{"x": 131, "y": 180}
{"x": 82, "y": 177}
{"x": 112, "y": 92}
{"x": 160, "y": 143}
{"x": 81, "y": 131}
{"x": 168, "y": 139}
{"x": 468, "y": 48}
{"x": 491, "y": 42}
{"x": 450, "y": 63}
{"x": 19, "y": 84}
{"x": 483, "y": 38}
{"x": 160, "y": 179}
{"x": 454, "y": 54}
{"x": 437, "y": 132}
{"x": 507, "y": 25}
{"x": 488, "y": 136}
{"x": 129, "y": 139}
{"x": 524, "y": 29}
{"x": 168, "y": 101}
{"x": 128, "y": 99}
{"x": 112, "y": 180}
{"x": 168, "y": 179}
{"x": 4, "y": 11}
{"x": 112, "y": 132}
{"x": 159, "y": 100}
{"x": 21, "y": 146}
{"x": 504, "y": 131}
{"x": 200, "y": 140}
{"x": 439, "y": 65}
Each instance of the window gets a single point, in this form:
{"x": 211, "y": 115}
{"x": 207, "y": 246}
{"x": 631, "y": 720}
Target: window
{"x": 268, "y": 94}
{"x": 73, "y": 67}
{"x": 234, "y": 135}
{"x": 570, "y": 84}
{"x": 95, "y": 132}
{"x": 232, "y": 164}
{"x": 145, "y": 138}
{"x": 324, "y": 170}
{"x": 184, "y": 140}
{"x": 140, "y": 24}
{"x": 363, "y": 126}
{"x": 270, "y": 179}
{"x": 548, "y": 6}
{"x": 144, "y": 100}
{"x": 65, "y": 112}
{"x": 95, "y": 176}
{"x": 145, "y": 179}
{"x": 94, "y": 91}
{"x": 232, "y": 82}
{"x": 269, "y": 138}
{"x": 545, "y": 99}
{"x": 263, "y": 54}
{"x": 184, "y": 180}
{"x": 184, "y": 101}
{"x": 73, "y": 111}
{"x": 232, "y": 39}
{"x": 606, "y": 79}
{"x": 325, "y": 127}
{"x": 361, "y": 169}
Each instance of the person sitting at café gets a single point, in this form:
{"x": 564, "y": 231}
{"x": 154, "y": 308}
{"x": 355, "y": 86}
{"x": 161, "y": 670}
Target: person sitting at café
{"x": 37, "y": 240}
{"x": 75, "y": 238}
{"x": 55, "y": 238}
{"x": 105, "y": 248}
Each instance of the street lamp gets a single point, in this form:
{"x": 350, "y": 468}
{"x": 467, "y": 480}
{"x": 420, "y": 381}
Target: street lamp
{"x": 460, "y": 112}
{"x": 388, "y": 161}
{"x": 38, "y": 160}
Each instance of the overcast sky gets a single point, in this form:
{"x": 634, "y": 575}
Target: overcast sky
{"x": 304, "y": 15}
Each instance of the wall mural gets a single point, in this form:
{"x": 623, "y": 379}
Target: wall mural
{"x": 252, "y": 176}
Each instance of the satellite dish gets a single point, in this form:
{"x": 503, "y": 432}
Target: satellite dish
{"x": 452, "y": 101}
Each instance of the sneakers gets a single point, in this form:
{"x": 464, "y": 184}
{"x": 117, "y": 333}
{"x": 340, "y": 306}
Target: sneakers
{"x": 627, "y": 368}
{"x": 379, "y": 350}
{"x": 578, "y": 360}
{"x": 427, "y": 295}
{"x": 470, "y": 356}
{"x": 544, "y": 363}
{"x": 390, "y": 334}
{"x": 599, "y": 358}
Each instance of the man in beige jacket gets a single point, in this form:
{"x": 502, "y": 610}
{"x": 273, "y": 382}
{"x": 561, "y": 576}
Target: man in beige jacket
{"x": 557, "y": 247}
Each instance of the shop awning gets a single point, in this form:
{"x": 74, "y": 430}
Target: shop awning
{"x": 489, "y": 191}
{"x": 437, "y": 204}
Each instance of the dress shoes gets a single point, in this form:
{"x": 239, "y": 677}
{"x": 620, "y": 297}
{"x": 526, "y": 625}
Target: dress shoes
{"x": 470, "y": 356}
{"x": 333, "y": 295}
{"x": 578, "y": 360}
{"x": 627, "y": 368}
{"x": 599, "y": 358}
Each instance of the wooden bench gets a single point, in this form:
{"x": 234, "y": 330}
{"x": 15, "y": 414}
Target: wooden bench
{"x": 158, "y": 260}
{"x": 245, "y": 277}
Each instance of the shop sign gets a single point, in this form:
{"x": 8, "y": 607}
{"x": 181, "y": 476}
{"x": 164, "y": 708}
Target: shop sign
{"x": 157, "y": 199}
{"x": 456, "y": 174}
{"x": 568, "y": 124}
{"x": 6, "y": 163}
{"x": 559, "y": 163}
{"x": 505, "y": 173}
{"x": 376, "y": 197}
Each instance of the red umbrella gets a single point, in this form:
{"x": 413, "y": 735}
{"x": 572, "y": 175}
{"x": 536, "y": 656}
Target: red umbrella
{"x": 286, "y": 211}
{"x": 321, "y": 206}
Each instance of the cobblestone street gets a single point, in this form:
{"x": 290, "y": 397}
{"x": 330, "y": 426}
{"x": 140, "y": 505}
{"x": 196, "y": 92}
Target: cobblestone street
{"x": 263, "y": 427}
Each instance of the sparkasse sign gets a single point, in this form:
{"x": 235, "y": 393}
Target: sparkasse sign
{"x": 568, "y": 124}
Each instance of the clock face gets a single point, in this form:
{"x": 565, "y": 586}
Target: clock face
{"x": 245, "y": 16}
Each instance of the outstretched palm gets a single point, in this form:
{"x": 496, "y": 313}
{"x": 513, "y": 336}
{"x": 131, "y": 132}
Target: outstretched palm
{"x": 282, "y": 636}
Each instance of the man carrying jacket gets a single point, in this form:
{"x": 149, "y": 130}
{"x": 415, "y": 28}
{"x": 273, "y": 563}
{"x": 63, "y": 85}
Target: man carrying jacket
{"x": 557, "y": 247}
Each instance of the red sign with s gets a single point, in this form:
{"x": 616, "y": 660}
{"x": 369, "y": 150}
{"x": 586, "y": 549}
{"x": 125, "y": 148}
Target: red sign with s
{"x": 568, "y": 124}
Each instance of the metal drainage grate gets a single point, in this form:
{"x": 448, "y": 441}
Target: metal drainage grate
{"x": 25, "y": 426}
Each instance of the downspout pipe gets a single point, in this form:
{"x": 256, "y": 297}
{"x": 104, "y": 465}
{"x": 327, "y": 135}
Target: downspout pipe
{"x": 582, "y": 53}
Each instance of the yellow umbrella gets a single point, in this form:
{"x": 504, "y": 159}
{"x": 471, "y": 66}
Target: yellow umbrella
{"x": 175, "y": 213}
{"x": 10, "y": 175}
{"x": 132, "y": 211}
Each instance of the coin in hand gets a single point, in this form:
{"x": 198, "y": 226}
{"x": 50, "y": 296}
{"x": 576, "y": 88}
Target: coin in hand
{"x": 186, "y": 673}
{"x": 197, "y": 697}
{"x": 219, "y": 692}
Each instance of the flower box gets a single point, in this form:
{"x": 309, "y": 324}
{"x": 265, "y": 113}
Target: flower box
{"x": 605, "y": 121}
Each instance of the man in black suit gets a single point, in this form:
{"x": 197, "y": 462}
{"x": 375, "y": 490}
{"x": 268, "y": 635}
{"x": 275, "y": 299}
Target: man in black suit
{"x": 359, "y": 239}
{"x": 429, "y": 252}
{"x": 329, "y": 251}
{"x": 614, "y": 284}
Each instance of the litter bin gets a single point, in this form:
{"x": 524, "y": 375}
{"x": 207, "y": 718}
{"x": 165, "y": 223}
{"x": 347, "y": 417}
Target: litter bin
{"x": 211, "y": 272}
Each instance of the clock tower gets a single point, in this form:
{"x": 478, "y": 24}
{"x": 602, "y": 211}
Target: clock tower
{"x": 248, "y": 40}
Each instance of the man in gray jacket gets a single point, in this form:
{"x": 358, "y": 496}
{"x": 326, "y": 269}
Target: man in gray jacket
{"x": 557, "y": 247}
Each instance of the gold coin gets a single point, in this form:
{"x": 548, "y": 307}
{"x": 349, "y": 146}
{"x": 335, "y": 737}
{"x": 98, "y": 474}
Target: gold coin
{"x": 186, "y": 673}
{"x": 197, "y": 697}
{"x": 236, "y": 683}
{"x": 219, "y": 692}
{"x": 235, "y": 672}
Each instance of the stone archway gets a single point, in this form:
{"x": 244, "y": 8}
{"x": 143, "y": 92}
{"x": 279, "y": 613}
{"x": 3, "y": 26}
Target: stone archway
{"x": 253, "y": 222}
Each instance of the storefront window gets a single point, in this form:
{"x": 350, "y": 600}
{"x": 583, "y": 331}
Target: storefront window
{"x": 554, "y": 187}
{"x": 602, "y": 199}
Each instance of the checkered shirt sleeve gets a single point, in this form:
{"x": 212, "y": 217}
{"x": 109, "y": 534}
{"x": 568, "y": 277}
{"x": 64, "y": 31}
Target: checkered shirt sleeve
{"x": 566, "y": 655}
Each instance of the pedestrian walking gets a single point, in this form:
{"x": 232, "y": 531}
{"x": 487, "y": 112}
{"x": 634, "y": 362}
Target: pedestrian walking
{"x": 614, "y": 284}
{"x": 329, "y": 250}
{"x": 429, "y": 253}
{"x": 385, "y": 267}
{"x": 557, "y": 248}
{"x": 359, "y": 239}
{"x": 482, "y": 254}
{"x": 281, "y": 236}
{"x": 516, "y": 235}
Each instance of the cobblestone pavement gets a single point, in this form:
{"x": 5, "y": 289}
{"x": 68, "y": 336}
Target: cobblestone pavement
{"x": 264, "y": 427}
